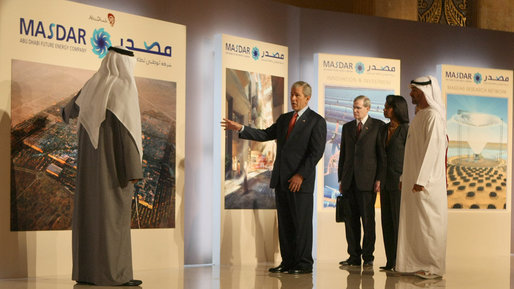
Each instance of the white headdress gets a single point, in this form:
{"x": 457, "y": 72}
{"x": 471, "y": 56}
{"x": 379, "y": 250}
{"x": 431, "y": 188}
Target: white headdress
{"x": 430, "y": 88}
{"x": 112, "y": 88}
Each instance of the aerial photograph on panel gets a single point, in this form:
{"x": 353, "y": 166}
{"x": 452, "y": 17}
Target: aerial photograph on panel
{"x": 44, "y": 149}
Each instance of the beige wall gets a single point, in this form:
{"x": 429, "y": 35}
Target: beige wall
{"x": 469, "y": 233}
{"x": 249, "y": 237}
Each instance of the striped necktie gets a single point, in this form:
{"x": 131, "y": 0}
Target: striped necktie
{"x": 359, "y": 128}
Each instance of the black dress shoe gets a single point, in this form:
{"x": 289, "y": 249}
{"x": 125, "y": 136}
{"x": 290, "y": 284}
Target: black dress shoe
{"x": 386, "y": 268}
{"x": 299, "y": 271}
{"x": 367, "y": 264}
{"x": 132, "y": 283}
{"x": 279, "y": 269}
{"x": 350, "y": 263}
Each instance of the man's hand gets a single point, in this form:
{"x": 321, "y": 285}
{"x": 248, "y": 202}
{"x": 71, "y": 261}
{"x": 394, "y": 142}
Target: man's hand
{"x": 377, "y": 186}
{"x": 341, "y": 188}
{"x": 417, "y": 188}
{"x": 231, "y": 125}
{"x": 295, "y": 183}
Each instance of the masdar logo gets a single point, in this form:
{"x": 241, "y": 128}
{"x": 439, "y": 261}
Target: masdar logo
{"x": 255, "y": 53}
{"x": 100, "y": 41}
{"x": 359, "y": 67}
{"x": 477, "y": 78}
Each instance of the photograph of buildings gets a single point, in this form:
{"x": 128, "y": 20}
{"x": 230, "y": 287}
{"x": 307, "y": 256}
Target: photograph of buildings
{"x": 44, "y": 149}
{"x": 257, "y": 100}
{"x": 338, "y": 111}
{"x": 477, "y": 152}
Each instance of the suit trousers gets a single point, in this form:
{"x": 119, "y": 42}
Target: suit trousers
{"x": 294, "y": 211}
{"x": 361, "y": 206}
{"x": 390, "y": 203}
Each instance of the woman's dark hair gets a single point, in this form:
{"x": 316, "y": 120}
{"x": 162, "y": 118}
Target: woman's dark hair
{"x": 400, "y": 109}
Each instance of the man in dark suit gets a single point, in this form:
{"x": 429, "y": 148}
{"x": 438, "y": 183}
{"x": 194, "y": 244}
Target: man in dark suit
{"x": 361, "y": 161}
{"x": 300, "y": 136}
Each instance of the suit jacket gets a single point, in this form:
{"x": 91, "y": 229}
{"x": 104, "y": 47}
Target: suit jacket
{"x": 363, "y": 158}
{"x": 394, "y": 155}
{"x": 299, "y": 153}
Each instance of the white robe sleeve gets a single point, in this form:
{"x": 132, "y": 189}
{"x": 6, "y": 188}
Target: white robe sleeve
{"x": 434, "y": 146}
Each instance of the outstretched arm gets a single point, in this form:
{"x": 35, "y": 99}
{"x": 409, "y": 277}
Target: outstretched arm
{"x": 227, "y": 124}
{"x": 249, "y": 133}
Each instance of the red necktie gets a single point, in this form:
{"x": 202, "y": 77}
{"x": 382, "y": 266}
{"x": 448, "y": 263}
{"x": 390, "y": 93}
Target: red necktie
{"x": 359, "y": 128}
{"x": 291, "y": 124}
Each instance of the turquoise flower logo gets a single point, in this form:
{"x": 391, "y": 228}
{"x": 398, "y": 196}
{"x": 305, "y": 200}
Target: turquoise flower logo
{"x": 477, "y": 78}
{"x": 359, "y": 67}
{"x": 255, "y": 53}
{"x": 101, "y": 41}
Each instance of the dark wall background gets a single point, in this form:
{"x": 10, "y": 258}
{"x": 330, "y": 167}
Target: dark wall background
{"x": 419, "y": 46}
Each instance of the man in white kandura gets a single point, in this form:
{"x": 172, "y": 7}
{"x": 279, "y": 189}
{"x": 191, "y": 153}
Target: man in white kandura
{"x": 424, "y": 207}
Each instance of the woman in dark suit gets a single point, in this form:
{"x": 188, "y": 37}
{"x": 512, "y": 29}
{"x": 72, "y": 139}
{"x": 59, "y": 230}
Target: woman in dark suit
{"x": 392, "y": 136}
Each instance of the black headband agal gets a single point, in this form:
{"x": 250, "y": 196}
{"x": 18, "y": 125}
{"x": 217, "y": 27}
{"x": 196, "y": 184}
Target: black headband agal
{"x": 421, "y": 83}
{"x": 121, "y": 51}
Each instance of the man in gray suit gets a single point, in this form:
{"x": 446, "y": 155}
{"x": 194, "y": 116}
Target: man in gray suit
{"x": 361, "y": 161}
{"x": 300, "y": 136}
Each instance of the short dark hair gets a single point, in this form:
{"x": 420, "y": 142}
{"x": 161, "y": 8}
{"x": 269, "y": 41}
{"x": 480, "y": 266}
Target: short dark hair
{"x": 399, "y": 106}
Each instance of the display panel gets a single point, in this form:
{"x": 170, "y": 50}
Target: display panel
{"x": 254, "y": 93}
{"x": 340, "y": 79}
{"x": 47, "y": 58}
{"x": 479, "y": 125}
{"x": 250, "y": 88}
